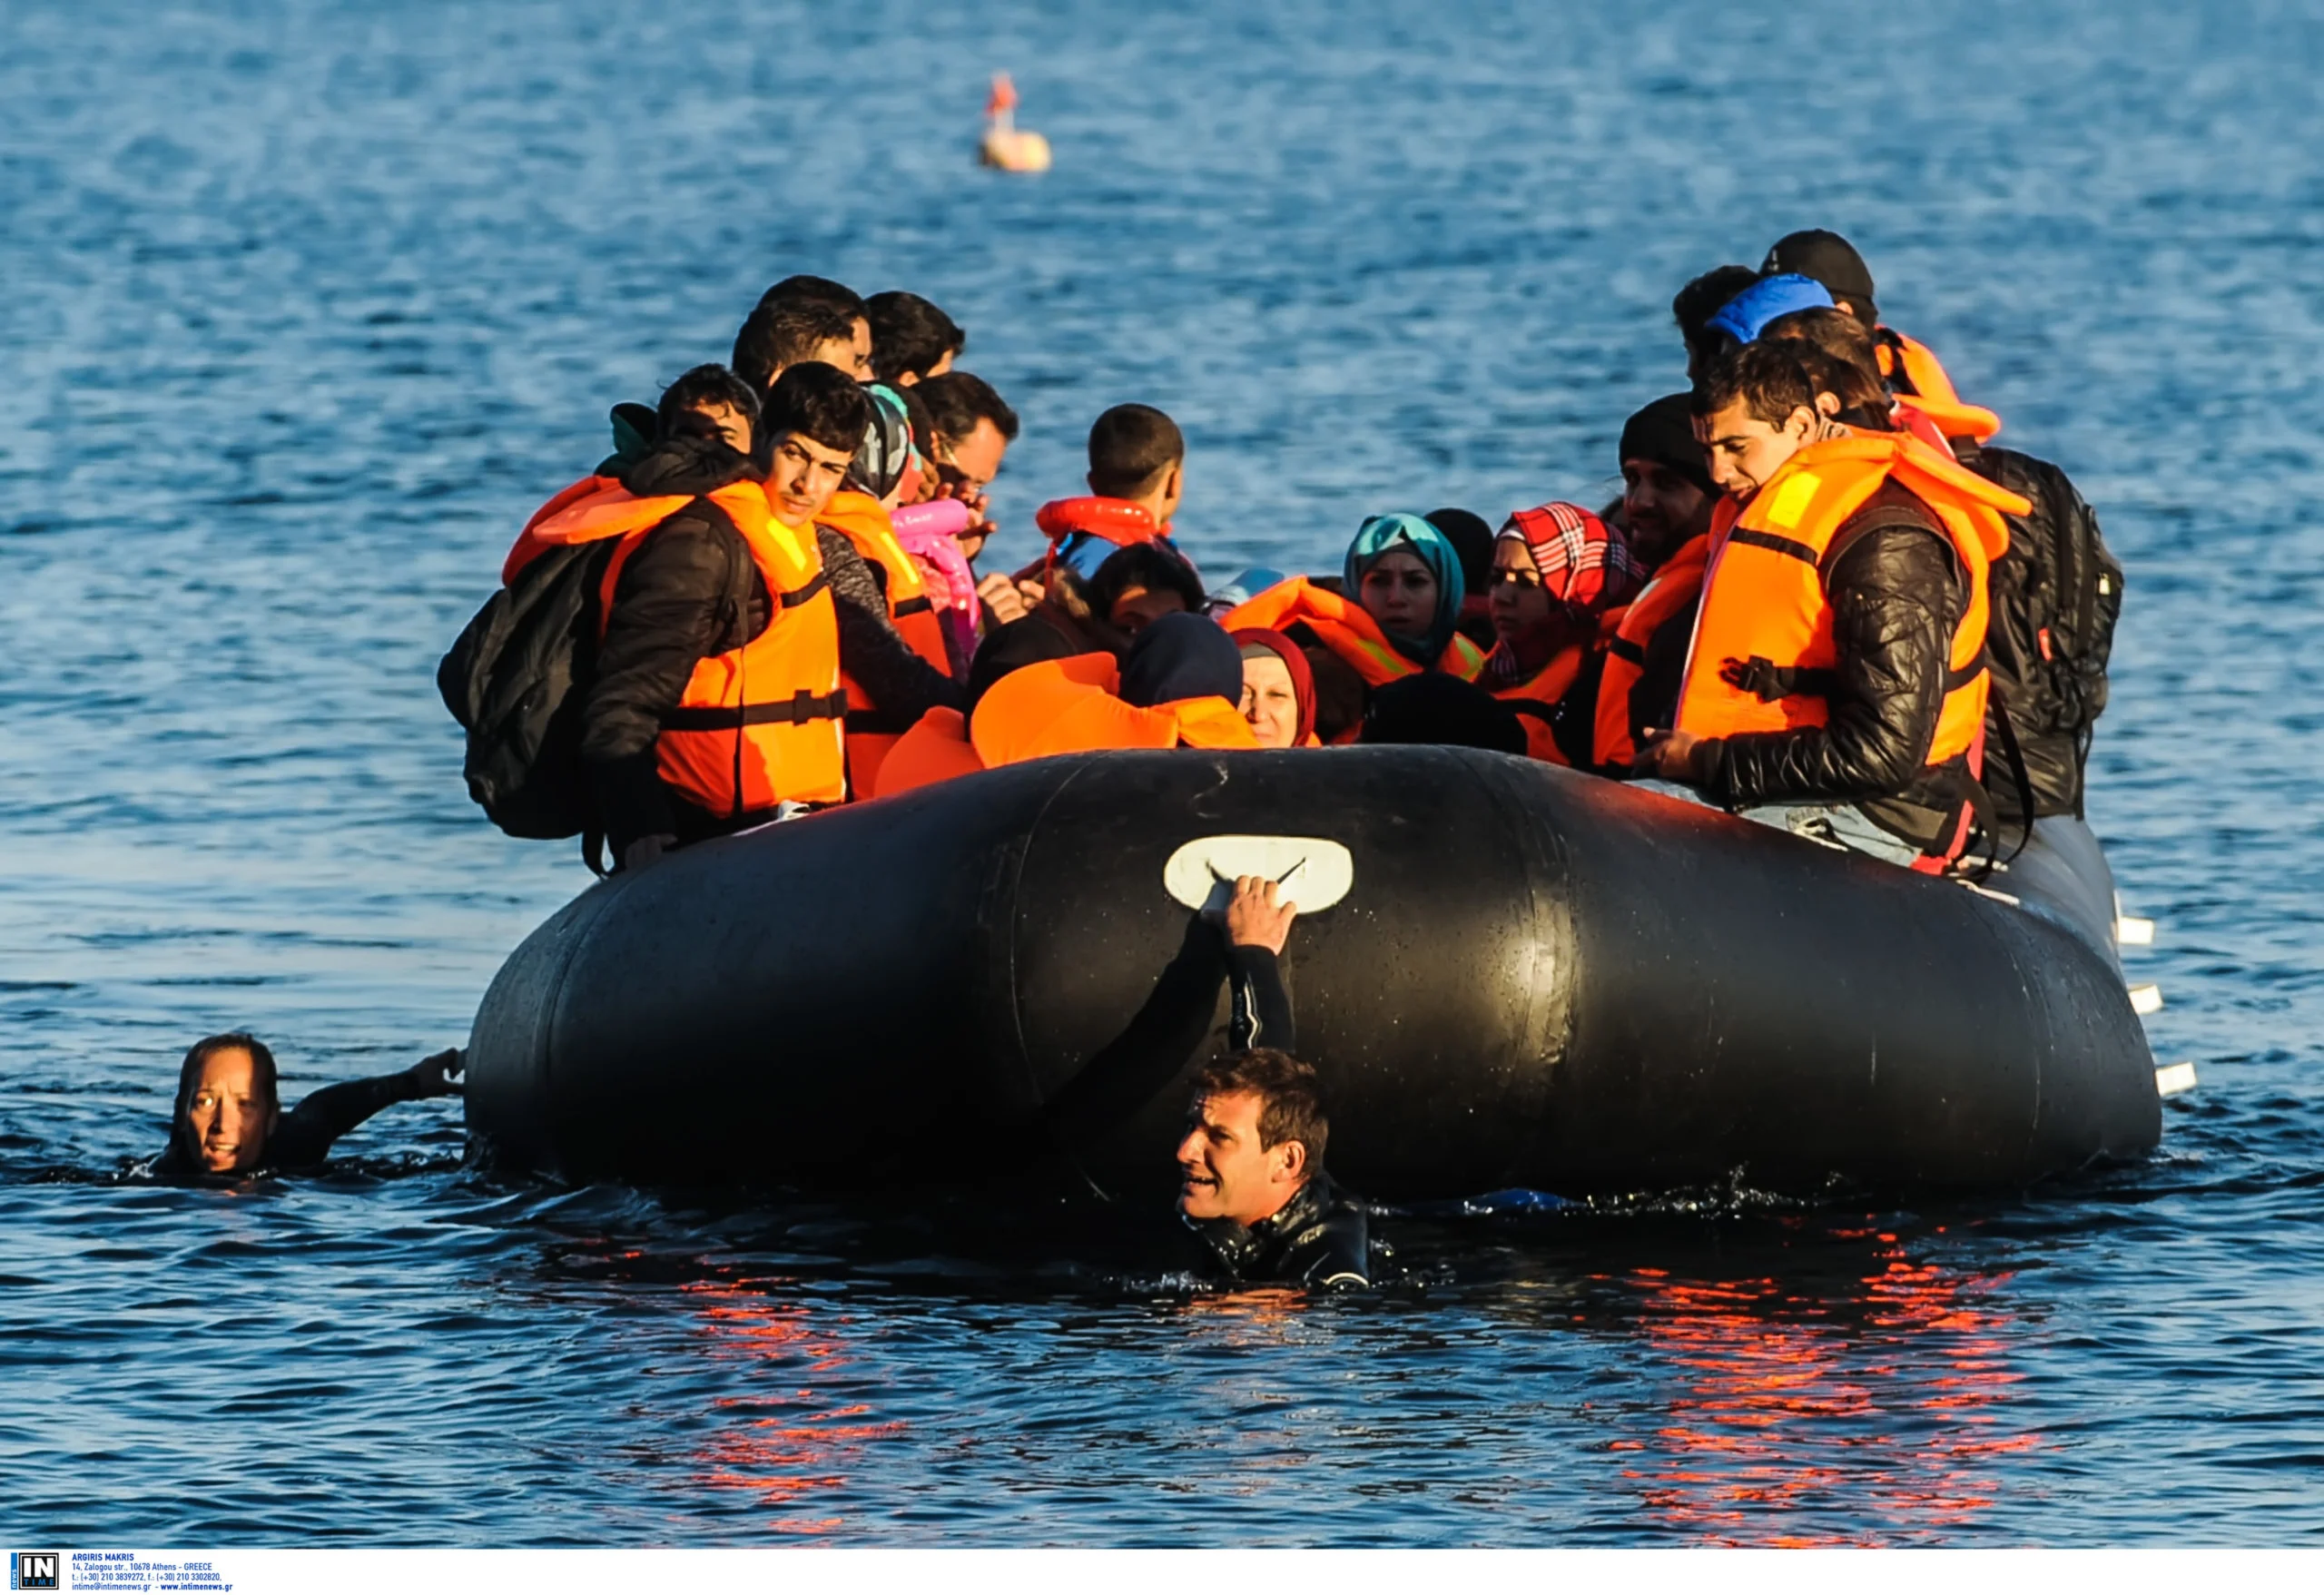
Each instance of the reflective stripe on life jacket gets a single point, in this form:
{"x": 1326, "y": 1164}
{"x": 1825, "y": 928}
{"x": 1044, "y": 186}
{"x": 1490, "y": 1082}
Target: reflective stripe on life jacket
{"x": 758, "y": 725}
{"x": 1670, "y": 594}
{"x": 1766, "y": 617}
{"x": 936, "y": 749}
{"x": 1348, "y": 630}
{"x": 1914, "y": 373}
{"x": 1071, "y": 706}
{"x": 871, "y": 730}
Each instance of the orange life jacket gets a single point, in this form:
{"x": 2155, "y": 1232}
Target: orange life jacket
{"x": 1537, "y": 700}
{"x": 759, "y": 724}
{"x": 1071, "y": 706}
{"x": 1668, "y": 593}
{"x": 872, "y": 730}
{"x": 1347, "y": 629}
{"x": 1764, "y": 601}
{"x": 1118, "y": 521}
{"x": 1914, "y": 373}
{"x": 527, "y": 547}
{"x": 935, "y": 748}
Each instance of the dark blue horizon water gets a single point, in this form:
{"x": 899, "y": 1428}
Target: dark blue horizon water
{"x": 307, "y": 306}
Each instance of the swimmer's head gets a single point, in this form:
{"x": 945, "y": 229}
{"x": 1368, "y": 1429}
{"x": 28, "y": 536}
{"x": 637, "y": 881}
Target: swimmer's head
{"x": 227, "y": 1103}
{"x": 1255, "y": 1137}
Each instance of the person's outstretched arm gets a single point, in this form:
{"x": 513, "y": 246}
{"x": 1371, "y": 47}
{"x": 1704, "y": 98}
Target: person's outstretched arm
{"x": 307, "y": 1131}
{"x": 1259, "y": 923}
{"x": 1169, "y": 1030}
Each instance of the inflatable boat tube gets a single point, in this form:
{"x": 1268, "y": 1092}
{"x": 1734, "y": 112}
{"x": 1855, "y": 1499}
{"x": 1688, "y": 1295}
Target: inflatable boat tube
{"x": 1523, "y": 977}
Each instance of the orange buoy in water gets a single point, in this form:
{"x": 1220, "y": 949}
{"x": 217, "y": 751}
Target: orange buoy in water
{"x": 1003, "y": 145}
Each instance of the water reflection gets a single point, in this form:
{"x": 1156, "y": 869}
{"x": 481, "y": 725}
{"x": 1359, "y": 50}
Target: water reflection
{"x": 1867, "y": 1414}
{"x": 785, "y": 1439}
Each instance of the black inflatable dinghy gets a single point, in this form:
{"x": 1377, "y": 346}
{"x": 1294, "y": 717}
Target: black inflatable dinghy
{"x": 1509, "y": 975}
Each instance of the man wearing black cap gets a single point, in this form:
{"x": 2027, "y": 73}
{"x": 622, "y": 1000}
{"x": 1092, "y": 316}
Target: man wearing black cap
{"x": 1666, "y": 494}
{"x": 1668, "y": 500}
{"x": 1911, "y": 370}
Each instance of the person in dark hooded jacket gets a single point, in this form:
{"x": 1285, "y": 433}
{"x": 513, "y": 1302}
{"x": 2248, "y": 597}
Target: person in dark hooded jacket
{"x": 692, "y": 591}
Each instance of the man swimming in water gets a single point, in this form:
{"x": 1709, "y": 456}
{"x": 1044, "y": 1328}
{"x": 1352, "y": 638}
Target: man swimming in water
{"x": 1251, "y": 1166}
{"x": 1251, "y": 1177}
{"x": 229, "y": 1122}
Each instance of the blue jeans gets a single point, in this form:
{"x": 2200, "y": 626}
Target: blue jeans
{"x": 1840, "y": 825}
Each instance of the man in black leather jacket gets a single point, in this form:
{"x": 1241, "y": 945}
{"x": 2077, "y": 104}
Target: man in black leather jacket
{"x": 1897, "y": 592}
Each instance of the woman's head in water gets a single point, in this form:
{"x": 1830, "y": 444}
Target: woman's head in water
{"x": 227, "y": 1106}
{"x": 1408, "y": 578}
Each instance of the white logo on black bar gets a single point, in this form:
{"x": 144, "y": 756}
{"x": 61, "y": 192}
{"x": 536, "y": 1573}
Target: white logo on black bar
{"x": 33, "y": 1570}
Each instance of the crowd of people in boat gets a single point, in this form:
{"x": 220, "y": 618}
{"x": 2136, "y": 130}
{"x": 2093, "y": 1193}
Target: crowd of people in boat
{"x": 1822, "y": 597}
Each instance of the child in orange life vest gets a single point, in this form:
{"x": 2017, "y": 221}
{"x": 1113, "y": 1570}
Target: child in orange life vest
{"x": 1556, "y": 569}
{"x": 1137, "y": 460}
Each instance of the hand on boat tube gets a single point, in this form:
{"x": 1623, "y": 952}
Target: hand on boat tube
{"x": 1254, "y": 916}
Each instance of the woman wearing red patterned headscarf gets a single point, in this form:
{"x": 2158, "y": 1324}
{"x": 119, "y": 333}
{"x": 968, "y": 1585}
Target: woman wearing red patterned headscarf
{"x": 1555, "y": 571}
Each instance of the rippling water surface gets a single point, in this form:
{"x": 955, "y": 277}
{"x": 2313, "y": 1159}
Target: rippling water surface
{"x": 307, "y": 306}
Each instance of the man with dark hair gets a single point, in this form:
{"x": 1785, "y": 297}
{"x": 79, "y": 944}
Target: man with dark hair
{"x": 1834, "y": 673}
{"x": 911, "y": 339}
{"x": 1839, "y": 355}
{"x": 740, "y": 574}
{"x": 789, "y": 333}
{"x": 1666, "y": 492}
{"x": 1667, "y": 504}
{"x": 1251, "y": 1177}
{"x": 1693, "y": 306}
{"x": 1910, "y": 369}
{"x": 228, "y": 1122}
{"x": 837, "y": 296}
{"x": 973, "y": 429}
{"x": 710, "y": 401}
{"x": 1137, "y": 479}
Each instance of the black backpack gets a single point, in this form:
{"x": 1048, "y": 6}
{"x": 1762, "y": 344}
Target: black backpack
{"x": 510, "y": 682}
{"x": 2056, "y": 595}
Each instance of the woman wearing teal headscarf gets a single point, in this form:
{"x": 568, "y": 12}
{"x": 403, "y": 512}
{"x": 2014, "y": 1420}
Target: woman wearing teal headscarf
{"x": 1407, "y": 576}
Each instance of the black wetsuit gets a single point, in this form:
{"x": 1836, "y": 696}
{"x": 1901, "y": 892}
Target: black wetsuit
{"x": 1320, "y": 1240}
{"x": 1322, "y": 1237}
{"x": 304, "y": 1136}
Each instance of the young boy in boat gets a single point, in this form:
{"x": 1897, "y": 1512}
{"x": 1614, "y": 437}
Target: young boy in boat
{"x": 229, "y": 1122}
{"x": 1138, "y": 478}
{"x": 720, "y": 559}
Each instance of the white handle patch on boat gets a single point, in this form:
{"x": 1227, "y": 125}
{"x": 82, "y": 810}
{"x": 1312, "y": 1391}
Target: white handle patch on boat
{"x": 1310, "y": 872}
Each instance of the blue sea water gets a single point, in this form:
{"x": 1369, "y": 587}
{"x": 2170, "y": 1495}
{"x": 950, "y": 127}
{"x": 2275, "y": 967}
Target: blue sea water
{"x": 304, "y": 307}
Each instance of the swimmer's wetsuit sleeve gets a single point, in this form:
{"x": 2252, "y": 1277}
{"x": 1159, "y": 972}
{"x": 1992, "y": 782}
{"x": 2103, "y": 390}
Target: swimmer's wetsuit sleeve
{"x": 1169, "y": 1031}
{"x": 305, "y": 1135}
{"x": 1260, "y": 1015}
